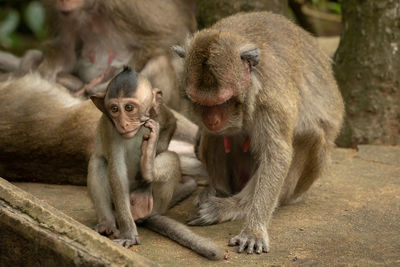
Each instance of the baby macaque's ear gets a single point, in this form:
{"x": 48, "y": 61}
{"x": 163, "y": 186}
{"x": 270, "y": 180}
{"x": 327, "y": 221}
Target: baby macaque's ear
{"x": 157, "y": 100}
{"x": 98, "y": 100}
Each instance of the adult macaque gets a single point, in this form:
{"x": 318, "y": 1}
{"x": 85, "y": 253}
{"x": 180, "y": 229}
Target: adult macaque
{"x": 46, "y": 134}
{"x": 95, "y": 38}
{"x": 131, "y": 168}
{"x": 270, "y": 109}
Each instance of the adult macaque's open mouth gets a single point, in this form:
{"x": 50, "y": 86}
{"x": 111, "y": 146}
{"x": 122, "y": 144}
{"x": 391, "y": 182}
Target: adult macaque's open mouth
{"x": 215, "y": 117}
{"x": 214, "y": 106}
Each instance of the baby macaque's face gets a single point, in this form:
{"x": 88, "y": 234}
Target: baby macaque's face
{"x": 130, "y": 113}
{"x": 128, "y": 102}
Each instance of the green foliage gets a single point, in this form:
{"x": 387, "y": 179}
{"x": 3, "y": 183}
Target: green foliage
{"x": 8, "y": 24}
{"x": 331, "y": 6}
{"x": 34, "y": 16}
{"x": 19, "y": 21}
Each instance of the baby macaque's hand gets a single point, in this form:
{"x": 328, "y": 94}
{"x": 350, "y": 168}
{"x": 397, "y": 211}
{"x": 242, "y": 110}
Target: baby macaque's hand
{"x": 149, "y": 147}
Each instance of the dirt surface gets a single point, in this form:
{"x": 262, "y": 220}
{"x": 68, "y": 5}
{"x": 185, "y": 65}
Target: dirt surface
{"x": 350, "y": 217}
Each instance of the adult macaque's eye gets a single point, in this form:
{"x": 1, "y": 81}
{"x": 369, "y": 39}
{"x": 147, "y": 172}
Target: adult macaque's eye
{"x": 129, "y": 107}
{"x": 114, "y": 109}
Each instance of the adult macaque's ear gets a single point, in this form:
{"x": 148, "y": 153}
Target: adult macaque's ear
{"x": 157, "y": 100}
{"x": 179, "y": 50}
{"x": 98, "y": 100}
{"x": 251, "y": 56}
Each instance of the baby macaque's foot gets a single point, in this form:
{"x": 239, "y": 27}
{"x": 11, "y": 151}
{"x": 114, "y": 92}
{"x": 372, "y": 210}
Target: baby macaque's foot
{"x": 107, "y": 229}
{"x": 128, "y": 239}
{"x": 127, "y": 243}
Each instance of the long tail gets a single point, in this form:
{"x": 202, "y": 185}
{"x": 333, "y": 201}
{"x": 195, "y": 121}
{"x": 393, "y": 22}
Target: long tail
{"x": 184, "y": 236}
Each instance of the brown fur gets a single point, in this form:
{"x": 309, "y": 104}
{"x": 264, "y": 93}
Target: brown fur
{"x": 136, "y": 31}
{"x": 135, "y": 173}
{"x": 47, "y": 135}
{"x": 288, "y": 105}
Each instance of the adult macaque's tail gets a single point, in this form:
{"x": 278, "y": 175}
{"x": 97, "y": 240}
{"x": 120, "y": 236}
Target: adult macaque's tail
{"x": 184, "y": 236}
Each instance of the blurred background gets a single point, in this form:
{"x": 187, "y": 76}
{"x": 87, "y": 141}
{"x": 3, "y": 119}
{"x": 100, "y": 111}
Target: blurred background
{"x": 366, "y": 63}
{"x": 23, "y": 23}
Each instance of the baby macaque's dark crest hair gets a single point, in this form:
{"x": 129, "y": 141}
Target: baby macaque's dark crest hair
{"x": 123, "y": 84}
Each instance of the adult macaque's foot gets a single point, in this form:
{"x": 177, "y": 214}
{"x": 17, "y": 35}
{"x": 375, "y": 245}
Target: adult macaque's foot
{"x": 204, "y": 195}
{"x": 251, "y": 242}
{"x": 207, "y": 213}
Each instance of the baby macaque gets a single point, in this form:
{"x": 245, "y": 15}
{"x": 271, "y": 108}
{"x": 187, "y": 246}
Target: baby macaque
{"x": 131, "y": 168}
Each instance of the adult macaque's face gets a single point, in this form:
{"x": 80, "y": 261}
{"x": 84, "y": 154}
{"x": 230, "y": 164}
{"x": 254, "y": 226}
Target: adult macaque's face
{"x": 217, "y": 80}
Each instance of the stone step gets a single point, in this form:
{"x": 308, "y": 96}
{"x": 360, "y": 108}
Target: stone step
{"x": 350, "y": 217}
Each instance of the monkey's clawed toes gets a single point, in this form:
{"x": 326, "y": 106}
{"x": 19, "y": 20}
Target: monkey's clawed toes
{"x": 127, "y": 243}
{"x": 250, "y": 244}
{"x": 196, "y": 220}
{"x": 201, "y": 217}
{"x": 107, "y": 229}
{"x": 208, "y": 212}
{"x": 205, "y": 195}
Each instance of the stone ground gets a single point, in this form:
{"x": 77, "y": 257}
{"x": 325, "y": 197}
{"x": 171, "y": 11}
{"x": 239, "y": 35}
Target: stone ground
{"x": 350, "y": 217}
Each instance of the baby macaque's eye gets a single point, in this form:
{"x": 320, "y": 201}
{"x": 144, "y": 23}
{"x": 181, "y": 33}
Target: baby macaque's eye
{"x": 129, "y": 107}
{"x": 114, "y": 108}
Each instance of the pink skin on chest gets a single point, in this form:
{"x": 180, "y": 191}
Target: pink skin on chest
{"x": 240, "y": 163}
{"x": 227, "y": 144}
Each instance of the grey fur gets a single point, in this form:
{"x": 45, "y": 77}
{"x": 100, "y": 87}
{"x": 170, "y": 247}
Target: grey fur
{"x": 116, "y": 169}
{"x": 288, "y": 105}
{"x": 182, "y": 235}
